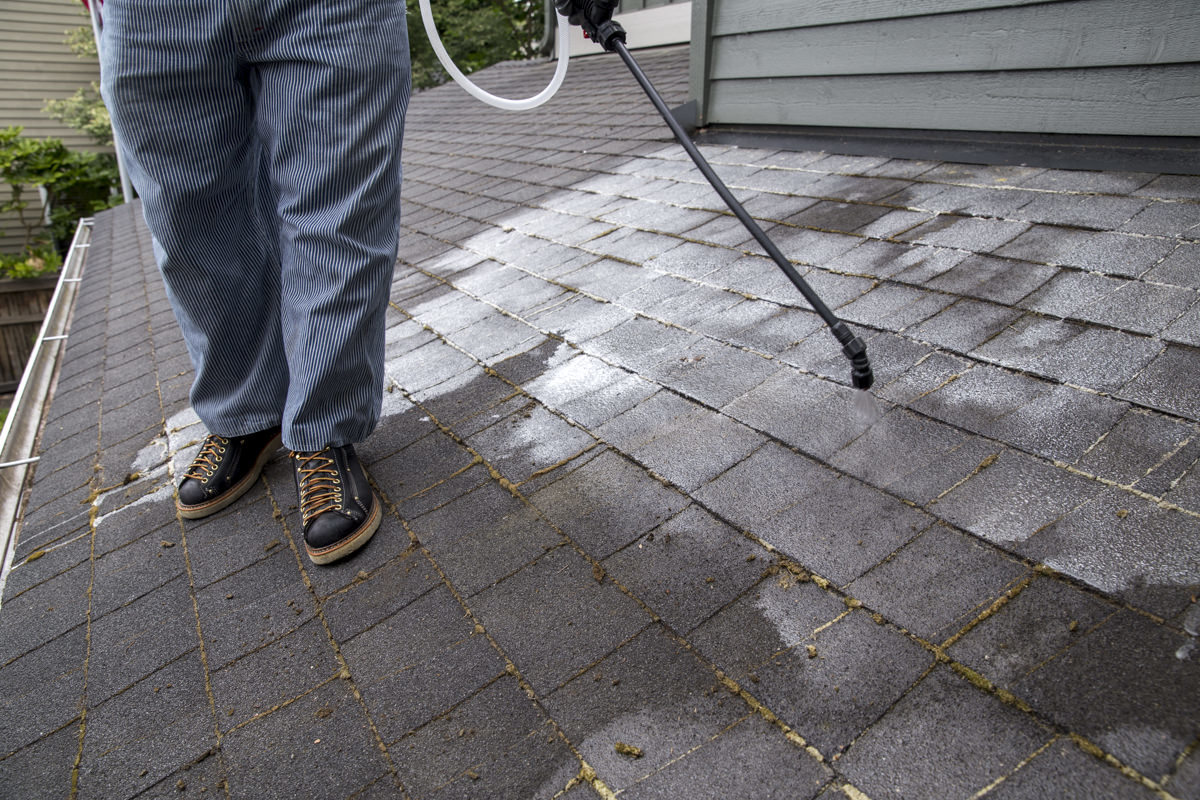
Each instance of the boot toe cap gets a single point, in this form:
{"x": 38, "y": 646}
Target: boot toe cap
{"x": 191, "y": 492}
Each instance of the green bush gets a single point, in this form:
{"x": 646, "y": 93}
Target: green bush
{"x": 30, "y": 264}
{"x": 76, "y": 184}
{"x": 84, "y": 111}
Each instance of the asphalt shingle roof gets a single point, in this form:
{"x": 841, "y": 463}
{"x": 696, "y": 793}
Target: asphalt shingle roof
{"x": 630, "y": 501}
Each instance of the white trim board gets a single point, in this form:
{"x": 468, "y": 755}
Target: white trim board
{"x": 650, "y": 27}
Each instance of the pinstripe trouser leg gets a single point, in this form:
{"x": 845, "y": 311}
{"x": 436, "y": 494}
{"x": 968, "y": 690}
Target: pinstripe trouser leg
{"x": 264, "y": 137}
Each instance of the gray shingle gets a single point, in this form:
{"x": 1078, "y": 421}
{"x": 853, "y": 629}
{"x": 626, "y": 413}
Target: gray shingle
{"x": 1170, "y": 383}
{"x": 1181, "y": 267}
{"x": 576, "y": 621}
{"x": 966, "y": 233}
{"x": 1013, "y": 497}
{"x": 965, "y": 325}
{"x": 1127, "y": 547}
{"x": 943, "y": 733}
{"x": 1142, "y": 707}
{"x": 1166, "y": 218}
{"x": 938, "y": 583}
{"x": 651, "y": 693}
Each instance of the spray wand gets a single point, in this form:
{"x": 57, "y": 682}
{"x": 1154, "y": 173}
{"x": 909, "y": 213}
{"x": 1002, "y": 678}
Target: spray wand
{"x": 595, "y": 17}
{"x": 611, "y": 36}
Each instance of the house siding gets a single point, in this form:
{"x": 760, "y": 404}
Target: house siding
{"x": 639, "y": 5}
{"x": 35, "y": 66}
{"x": 650, "y": 23}
{"x": 1070, "y": 66}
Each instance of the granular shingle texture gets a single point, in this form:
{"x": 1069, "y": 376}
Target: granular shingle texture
{"x": 641, "y": 537}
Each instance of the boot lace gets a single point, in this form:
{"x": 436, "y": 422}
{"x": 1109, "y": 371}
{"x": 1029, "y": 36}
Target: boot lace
{"x": 320, "y": 485}
{"x": 208, "y": 459}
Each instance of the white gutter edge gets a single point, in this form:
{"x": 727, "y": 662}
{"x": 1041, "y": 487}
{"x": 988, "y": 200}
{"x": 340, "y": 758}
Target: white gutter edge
{"x": 18, "y": 438}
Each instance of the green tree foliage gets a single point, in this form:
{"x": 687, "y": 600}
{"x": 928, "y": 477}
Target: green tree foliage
{"x": 82, "y": 42}
{"x": 75, "y": 184}
{"x": 84, "y": 111}
{"x": 476, "y": 34}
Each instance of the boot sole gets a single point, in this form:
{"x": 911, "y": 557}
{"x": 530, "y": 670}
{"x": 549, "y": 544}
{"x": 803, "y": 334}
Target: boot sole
{"x": 202, "y": 510}
{"x": 352, "y": 542}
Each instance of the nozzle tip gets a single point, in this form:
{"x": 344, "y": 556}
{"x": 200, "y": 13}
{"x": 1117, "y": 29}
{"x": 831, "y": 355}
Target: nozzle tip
{"x": 861, "y": 375}
{"x": 860, "y": 368}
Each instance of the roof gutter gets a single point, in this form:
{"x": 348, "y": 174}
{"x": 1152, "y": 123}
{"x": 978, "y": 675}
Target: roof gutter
{"x": 18, "y": 438}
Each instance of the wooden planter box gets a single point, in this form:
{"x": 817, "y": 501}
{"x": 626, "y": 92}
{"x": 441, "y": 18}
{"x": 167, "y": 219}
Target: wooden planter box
{"x": 23, "y": 305}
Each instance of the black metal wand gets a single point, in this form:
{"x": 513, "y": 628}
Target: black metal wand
{"x": 611, "y": 36}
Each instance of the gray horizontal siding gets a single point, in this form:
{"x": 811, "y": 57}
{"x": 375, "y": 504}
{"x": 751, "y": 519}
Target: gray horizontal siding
{"x": 1084, "y": 33}
{"x": 1065, "y": 66}
{"x": 742, "y": 16}
{"x": 1132, "y": 101}
{"x": 64, "y": 61}
{"x": 640, "y": 5}
{"x": 10, "y": 223}
{"x": 35, "y": 66}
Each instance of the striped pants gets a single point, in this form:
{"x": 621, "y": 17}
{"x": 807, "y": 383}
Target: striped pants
{"x": 263, "y": 137}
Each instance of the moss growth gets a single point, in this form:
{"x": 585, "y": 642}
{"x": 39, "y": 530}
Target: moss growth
{"x": 628, "y": 750}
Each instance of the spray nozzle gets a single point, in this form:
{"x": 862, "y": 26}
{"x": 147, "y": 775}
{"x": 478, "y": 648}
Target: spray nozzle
{"x": 860, "y": 371}
{"x": 860, "y": 368}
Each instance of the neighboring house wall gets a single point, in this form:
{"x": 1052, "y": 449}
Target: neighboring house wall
{"x": 35, "y": 66}
{"x": 1071, "y": 66}
{"x": 649, "y": 23}
{"x": 637, "y": 5}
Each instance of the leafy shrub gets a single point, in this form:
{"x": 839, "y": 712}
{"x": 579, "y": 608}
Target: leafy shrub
{"x": 76, "y": 185}
{"x": 30, "y": 264}
{"x": 84, "y": 111}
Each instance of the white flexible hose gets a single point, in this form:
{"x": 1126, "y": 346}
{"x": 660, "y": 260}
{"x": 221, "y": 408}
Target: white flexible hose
{"x": 492, "y": 100}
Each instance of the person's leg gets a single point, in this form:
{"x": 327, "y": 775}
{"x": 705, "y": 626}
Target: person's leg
{"x": 177, "y": 92}
{"x": 176, "y": 86}
{"x": 332, "y": 89}
{"x": 334, "y": 86}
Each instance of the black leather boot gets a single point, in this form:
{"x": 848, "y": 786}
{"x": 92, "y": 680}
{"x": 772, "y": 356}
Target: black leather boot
{"x": 338, "y": 508}
{"x": 223, "y": 471}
